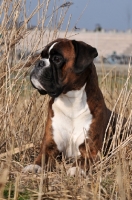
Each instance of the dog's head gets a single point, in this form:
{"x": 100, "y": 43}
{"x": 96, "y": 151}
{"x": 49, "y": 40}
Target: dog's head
{"x": 63, "y": 66}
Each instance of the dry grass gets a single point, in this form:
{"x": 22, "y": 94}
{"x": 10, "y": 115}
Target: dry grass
{"x": 23, "y": 112}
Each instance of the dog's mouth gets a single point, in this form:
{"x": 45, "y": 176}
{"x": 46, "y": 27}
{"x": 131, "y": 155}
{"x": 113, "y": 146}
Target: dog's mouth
{"x": 54, "y": 94}
{"x": 51, "y": 94}
{"x": 42, "y": 92}
{"x": 45, "y": 85}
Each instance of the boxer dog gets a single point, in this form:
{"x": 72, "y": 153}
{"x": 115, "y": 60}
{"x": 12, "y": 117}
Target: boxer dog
{"x": 77, "y": 114}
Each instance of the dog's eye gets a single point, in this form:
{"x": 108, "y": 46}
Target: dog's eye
{"x": 56, "y": 59}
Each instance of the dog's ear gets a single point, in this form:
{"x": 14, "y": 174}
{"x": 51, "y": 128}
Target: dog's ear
{"x": 84, "y": 55}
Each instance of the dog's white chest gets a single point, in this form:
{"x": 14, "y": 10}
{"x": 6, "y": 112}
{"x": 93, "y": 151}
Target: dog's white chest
{"x": 71, "y": 121}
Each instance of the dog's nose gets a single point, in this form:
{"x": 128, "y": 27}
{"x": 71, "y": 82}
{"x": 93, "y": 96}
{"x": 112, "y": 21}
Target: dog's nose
{"x": 40, "y": 64}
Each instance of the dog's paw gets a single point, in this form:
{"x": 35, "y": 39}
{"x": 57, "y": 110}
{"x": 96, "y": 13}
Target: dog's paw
{"x": 72, "y": 171}
{"x": 32, "y": 168}
{"x": 76, "y": 171}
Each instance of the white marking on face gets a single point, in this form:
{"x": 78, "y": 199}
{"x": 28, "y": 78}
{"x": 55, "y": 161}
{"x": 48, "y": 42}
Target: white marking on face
{"x": 37, "y": 84}
{"x": 35, "y": 81}
{"x": 71, "y": 121}
{"x": 47, "y": 62}
{"x": 52, "y": 46}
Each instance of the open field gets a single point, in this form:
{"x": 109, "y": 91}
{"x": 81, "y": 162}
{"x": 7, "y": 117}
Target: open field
{"x": 105, "y": 42}
{"x": 119, "y": 69}
{"x": 23, "y": 114}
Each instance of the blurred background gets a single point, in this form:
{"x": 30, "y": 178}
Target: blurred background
{"x": 106, "y": 25}
{"x": 109, "y": 15}
{"x": 111, "y": 20}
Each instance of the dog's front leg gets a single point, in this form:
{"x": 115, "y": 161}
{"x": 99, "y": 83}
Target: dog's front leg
{"x": 48, "y": 151}
{"x": 88, "y": 150}
{"x": 47, "y": 155}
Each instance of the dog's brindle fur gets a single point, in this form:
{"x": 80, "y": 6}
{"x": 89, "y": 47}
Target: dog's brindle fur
{"x": 78, "y": 70}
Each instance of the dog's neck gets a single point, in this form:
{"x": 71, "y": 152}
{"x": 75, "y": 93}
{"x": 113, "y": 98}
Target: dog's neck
{"x": 74, "y": 93}
{"x": 73, "y": 103}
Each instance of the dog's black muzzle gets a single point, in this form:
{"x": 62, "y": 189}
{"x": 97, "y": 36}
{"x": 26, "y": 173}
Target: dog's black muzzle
{"x": 44, "y": 79}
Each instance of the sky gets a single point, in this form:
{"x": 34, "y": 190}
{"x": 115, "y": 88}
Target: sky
{"x": 110, "y": 14}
